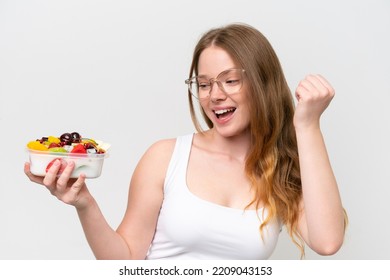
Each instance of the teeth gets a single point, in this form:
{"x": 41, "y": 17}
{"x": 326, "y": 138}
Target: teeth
{"x": 220, "y": 112}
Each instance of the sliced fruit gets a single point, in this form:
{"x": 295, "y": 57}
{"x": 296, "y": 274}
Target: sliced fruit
{"x": 36, "y": 145}
{"x": 54, "y": 145}
{"x": 66, "y": 138}
{"x": 69, "y": 142}
{"x": 88, "y": 140}
{"x": 79, "y": 149}
{"x": 102, "y": 146}
{"x": 53, "y": 139}
{"x": 57, "y": 150}
{"x": 76, "y": 137}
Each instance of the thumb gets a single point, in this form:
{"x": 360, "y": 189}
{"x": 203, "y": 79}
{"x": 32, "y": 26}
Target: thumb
{"x": 78, "y": 184}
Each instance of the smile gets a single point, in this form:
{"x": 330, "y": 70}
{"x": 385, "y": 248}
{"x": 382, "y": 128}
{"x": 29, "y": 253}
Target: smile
{"x": 224, "y": 112}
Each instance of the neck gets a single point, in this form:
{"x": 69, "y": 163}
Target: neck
{"x": 235, "y": 147}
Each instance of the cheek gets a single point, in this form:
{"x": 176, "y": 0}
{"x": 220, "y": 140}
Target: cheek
{"x": 246, "y": 115}
{"x": 204, "y": 105}
{"x": 245, "y": 110}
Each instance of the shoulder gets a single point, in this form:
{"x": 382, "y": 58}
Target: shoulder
{"x": 161, "y": 149}
{"x": 156, "y": 158}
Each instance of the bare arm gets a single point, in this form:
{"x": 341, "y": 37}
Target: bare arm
{"x": 145, "y": 198}
{"x": 133, "y": 237}
{"x": 321, "y": 222}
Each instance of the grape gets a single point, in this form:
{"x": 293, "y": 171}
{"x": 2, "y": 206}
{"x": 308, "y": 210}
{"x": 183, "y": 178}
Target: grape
{"x": 66, "y": 137}
{"x": 76, "y": 137}
{"x": 43, "y": 139}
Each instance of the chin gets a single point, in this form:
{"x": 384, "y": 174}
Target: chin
{"x": 229, "y": 132}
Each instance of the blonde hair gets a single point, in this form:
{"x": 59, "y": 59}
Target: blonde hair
{"x": 272, "y": 163}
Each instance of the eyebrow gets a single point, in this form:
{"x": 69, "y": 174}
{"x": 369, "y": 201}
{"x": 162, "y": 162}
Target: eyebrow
{"x": 208, "y": 77}
{"x": 203, "y": 76}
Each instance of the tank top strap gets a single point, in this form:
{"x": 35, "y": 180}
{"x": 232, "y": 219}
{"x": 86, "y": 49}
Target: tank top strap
{"x": 177, "y": 168}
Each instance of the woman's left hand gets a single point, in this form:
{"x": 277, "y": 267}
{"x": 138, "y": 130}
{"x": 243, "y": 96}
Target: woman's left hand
{"x": 314, "y": 93}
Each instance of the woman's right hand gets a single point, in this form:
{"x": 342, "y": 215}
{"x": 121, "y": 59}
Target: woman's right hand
{"x": 71, "y": 191}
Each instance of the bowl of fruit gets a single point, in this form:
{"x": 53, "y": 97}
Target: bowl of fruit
{"x": 87, "y": 154}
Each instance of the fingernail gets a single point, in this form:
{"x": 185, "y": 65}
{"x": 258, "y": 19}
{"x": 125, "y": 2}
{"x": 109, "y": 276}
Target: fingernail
{"x": 57, "y": 162}
{"x": 71, "y": 163}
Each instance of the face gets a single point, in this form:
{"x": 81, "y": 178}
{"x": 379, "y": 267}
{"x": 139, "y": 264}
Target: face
{"x": 228, "y": 113}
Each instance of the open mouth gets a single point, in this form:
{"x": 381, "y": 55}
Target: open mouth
{"x": 224, "y": 112}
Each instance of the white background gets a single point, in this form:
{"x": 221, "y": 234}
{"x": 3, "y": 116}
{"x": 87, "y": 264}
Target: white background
{"x": 115, "y": 70}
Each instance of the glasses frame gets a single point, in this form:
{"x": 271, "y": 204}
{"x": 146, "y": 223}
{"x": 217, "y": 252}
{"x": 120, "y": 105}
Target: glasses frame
{"x": 193, "y": 79}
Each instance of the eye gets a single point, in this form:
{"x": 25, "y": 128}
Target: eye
{"x": 231, "y": 80}
{"x": 203, "y": 85}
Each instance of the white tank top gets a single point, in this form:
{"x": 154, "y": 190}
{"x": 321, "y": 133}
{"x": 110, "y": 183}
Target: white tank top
{"x": 192, "y": 228}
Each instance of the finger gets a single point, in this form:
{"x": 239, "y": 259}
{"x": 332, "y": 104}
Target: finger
{"x": 325, "y": 83}
{"x": 299, "y": 92}
{"x": 303, "y": 90}
{"x": 309, "y": 84}
{"x": 72, "y": 194}
{"x": 314, "y": 87}
{"x": 63, "y": 180}
{"x": 77, "y": 186}
{"x": 51, "y": 175}
{"x": 321, "y": 84}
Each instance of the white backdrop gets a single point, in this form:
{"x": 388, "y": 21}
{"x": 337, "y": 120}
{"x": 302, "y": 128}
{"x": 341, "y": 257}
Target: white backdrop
{"x": 115, "y": 70}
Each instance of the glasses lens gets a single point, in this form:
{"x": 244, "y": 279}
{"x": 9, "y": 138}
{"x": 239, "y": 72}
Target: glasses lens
{"x": 199, "y": 87}
{"x": 229, "y": 81}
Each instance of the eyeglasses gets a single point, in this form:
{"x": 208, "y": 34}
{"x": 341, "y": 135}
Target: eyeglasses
{"x": 229, "y": 81}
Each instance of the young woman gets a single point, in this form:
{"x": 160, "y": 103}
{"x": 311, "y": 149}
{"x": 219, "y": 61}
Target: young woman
{"x": 226, "y": 191}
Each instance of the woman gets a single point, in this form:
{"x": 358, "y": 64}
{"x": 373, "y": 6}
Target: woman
{"x": 225, "y": 192}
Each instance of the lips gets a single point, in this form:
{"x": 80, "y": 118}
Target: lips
{"x": 224, "y": 113}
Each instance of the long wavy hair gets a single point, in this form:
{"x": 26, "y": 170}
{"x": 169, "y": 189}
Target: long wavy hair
{"x": 272, "y": 164}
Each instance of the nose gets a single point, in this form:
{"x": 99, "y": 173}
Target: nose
{"x": 216, "y": 93}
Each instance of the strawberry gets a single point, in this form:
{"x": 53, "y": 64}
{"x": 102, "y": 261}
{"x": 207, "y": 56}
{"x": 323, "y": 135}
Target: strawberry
{"x": 79, "y": 149}
{"x": 54, "y": 145}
